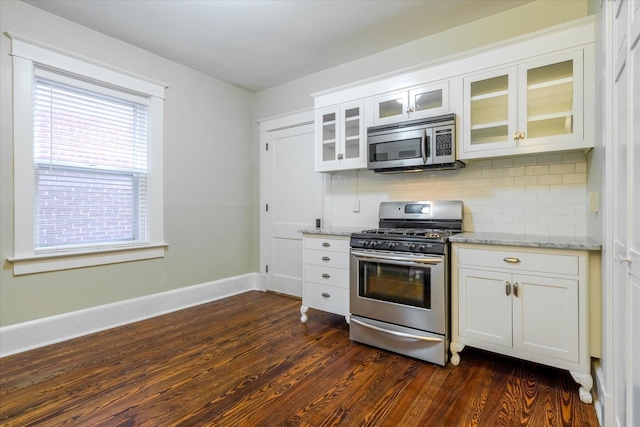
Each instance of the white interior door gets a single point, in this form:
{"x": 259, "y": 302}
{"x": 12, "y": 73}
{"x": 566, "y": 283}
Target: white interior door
{"x": 292, "y": 200}
{"x": 626, "y": 202}
{"x": 633, "y": 401}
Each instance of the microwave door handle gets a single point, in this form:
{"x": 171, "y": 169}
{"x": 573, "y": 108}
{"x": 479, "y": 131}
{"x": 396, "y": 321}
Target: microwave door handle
{"x": 425, "y": 147}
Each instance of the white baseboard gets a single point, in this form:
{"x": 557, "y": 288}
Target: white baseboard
{"x": 600, "y": 394}
{"x": 50, "y": 330}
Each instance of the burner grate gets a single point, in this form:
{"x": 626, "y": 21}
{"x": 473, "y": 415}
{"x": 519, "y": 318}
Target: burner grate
{"x": 411, "y": 232}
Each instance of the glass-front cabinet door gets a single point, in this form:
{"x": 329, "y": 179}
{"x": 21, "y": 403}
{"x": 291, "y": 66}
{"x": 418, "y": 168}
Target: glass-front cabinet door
{"x": 423, "y": 101}
{"x": 390, "y": 107}
{"x": 328, "y": 138}
{"x": 340, "y": 138}
{"x": 489, "y": 121}
{"x": 532, "y": 107}
{"x": 429, "y": 100}
{"x": 353, "y": 137}
{"x": 551, "y": 100}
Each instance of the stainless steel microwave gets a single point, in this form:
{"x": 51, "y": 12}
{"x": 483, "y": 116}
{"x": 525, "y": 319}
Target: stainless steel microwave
{"x": 413, "y": 145}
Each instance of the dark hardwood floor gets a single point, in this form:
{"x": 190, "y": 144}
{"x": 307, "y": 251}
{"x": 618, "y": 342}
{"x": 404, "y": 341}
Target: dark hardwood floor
{"x": 248, "y": 361}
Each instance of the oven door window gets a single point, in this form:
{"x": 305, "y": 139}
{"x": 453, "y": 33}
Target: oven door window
{"x": 401, "y": 284}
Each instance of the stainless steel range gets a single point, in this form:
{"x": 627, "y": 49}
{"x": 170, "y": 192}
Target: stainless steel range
{"x": 399, "y": 284}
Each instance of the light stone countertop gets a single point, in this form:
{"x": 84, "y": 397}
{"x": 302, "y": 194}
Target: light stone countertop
{"x": 528, "y": 240}
{"x": 334, "y": 231}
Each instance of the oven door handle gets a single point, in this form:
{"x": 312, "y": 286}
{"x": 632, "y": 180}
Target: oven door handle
{"x": 404, "y": 260}
{"x": 396, "y": 333}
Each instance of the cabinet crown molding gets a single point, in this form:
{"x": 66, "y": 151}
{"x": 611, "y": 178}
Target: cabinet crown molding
{"x": 573, "y": 33}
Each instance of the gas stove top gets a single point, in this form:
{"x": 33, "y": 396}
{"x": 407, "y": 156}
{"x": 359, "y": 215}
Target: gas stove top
{"x": 421, "y": 227}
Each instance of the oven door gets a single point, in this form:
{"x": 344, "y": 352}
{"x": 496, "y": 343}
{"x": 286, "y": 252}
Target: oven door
{"x": 404, "y": 289}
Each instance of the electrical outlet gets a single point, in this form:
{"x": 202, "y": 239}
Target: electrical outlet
{"x": 356, "y": 205}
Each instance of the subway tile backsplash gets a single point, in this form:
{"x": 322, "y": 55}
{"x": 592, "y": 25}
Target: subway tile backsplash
{"x": 542, "y": 195}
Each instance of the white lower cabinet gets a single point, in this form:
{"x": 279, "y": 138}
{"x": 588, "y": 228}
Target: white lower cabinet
{"x": 529, "y": 313}
{"x": 523, "y": 302}
{"x": 325, "y": 283}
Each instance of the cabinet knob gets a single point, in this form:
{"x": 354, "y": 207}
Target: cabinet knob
{"x": 326, "y": 244}
{"x": 625, "y": 259}
{"x": 410, "y": 110}
{"x": 326, "y": 295}
{"x": 515, "y": 289}
{"x": 325, "y": 275}
{"x": 512, "y": 260}
{"x": 507, "y": 288}
{"x": 340, "y": 156}
{"x": 326, "y": 258}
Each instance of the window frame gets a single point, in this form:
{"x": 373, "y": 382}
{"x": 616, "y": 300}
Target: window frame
{"x": 27, "y": 55}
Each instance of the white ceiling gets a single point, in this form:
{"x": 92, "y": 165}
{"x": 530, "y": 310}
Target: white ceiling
{"x": 257, "y": 44}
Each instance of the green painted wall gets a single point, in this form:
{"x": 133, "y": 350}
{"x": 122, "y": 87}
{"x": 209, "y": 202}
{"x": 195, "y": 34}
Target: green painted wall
{"x": 208, "y": 199}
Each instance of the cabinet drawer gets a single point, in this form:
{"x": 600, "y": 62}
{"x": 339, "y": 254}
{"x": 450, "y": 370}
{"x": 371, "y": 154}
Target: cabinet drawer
{"x": 520, "y": 261}
{"x": 327, "y": 244}
{"x": 326, "y": 275}
{"x": 326, "y": 258}
{"x": 326, "y": 297}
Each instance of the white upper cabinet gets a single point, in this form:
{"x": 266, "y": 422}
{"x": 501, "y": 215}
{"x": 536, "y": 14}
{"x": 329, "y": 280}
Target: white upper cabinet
{"x": 340, "y": 138}
{"x": 423, "y": 101}
{"x": 532, "y": 94}
{"x": 532, "y": 107}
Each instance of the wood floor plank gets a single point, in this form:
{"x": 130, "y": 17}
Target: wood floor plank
{"x": 249, "y": 361}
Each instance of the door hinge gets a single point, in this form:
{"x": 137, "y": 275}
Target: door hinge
{"x": 267, "y": 268}
{"x": 267, "y": 207}
{"x": 267, "y": 146}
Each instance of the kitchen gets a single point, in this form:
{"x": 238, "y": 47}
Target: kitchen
{"x": 191, "y": 259}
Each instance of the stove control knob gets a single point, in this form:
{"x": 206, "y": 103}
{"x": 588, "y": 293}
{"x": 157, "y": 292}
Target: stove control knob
{"x": 374, "y": 244}
{"x": 392, "y": 245}
{"x": 412, "y": 246}
{"x": 365, "y": 243}
{"x": 423, "y": 247}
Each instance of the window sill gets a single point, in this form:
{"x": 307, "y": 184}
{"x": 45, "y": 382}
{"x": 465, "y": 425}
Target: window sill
{"x": 65, "y": 261}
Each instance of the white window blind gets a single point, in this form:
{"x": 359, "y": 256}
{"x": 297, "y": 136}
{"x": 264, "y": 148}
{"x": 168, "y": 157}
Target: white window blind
{"x": 90, "y": 164}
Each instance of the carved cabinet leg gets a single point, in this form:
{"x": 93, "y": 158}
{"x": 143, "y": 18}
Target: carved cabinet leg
{"x": 586, "y": 383}
{"x": 303, "y": 312}
{"x": 455, "y": 348}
